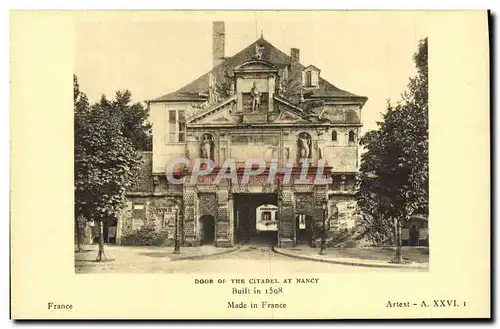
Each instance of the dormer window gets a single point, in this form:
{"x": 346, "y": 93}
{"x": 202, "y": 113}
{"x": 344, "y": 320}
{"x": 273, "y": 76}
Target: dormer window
{"x": 310, "y": 76}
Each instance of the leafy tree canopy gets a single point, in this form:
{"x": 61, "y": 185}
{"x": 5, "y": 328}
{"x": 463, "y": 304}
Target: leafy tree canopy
{"x": 394, "y": 172}
{"x": 106, "y": 160}
{"x": 133, "y": 117}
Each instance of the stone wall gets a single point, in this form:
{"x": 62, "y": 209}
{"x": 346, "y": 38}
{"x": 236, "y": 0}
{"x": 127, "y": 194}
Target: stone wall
{"x": 157, "y": 211}
{"x": 145, "y": 181}
{"x": 346, "y": 209}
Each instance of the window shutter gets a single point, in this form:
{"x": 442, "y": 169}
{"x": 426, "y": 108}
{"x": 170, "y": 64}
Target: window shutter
{"x": 314, "y": 78}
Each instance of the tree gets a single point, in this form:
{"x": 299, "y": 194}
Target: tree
{"x": 133, "y": 117}
{"x": 80, "y": 104}
{"x": 393, "y": 182}
{"x": 106, "y": 162}
{"x": 223, "y": 88}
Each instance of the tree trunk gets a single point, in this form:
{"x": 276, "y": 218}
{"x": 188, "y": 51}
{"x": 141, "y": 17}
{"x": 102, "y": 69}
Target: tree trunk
{"x": 78, "y": 235}
{"x": 100, "y": 254}
{"x": 397, "y": 226}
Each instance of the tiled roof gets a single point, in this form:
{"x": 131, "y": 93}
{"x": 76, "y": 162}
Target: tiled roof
{"x": 191, "y": 92}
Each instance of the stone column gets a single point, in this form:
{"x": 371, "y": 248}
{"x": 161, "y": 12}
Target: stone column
{"x": 271, "y": 93}
{"x": 286, "y": 214}
{"x": 239, "y": 90}
{"x": 189, "y": 215}
{"x": 223, "y": 226}
{"x": 319, "y": 199}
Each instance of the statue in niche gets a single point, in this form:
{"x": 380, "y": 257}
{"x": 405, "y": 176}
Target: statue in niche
{"x": 206, "y": 147}
{"x": 255, "y": 93}
{"x": 320, "y": 153}
{"x": 304, "y": 146}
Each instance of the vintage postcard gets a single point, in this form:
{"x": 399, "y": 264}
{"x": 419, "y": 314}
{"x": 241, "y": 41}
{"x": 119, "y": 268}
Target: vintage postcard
{"x": 250, "y": 165}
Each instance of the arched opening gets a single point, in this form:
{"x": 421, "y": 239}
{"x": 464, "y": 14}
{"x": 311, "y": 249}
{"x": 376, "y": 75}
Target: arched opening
{"x": 255, "y": 218}
{"x": 352, "y": 137}
{"x": 334, "y": 136}
{"x": 303, "y": 229}
{"x": 206, "y": 224}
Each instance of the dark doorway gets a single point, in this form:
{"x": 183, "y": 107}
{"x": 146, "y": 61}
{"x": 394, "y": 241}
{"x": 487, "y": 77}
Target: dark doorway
{"x": 304, "y": 229}
{"x": 109, "y": 230}
{"x": 207, "y": 229}
{"x": 414, "y": 236}
{"x": 245, "y": 212}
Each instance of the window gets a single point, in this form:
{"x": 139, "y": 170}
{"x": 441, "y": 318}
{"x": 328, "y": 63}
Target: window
{"x": 309, "y": 78}
{"x": 172, "y": 118}
{"x": 176, "y": 126}
{"x": 138, "y": 211}
{"x": 266, "y": 216}
{"x": 334, "y": 136}
{"x": 314, "y": 78}
{"x": 351, "y": 137}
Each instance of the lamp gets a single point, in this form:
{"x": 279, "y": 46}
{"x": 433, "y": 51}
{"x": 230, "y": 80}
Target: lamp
{"x": 177, "y": 249}
{"x": 323, "y": 236}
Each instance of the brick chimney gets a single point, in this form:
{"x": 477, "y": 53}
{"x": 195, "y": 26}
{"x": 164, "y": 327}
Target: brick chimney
{"x": 218, "y": 43}
{"x": 295, "y": 56}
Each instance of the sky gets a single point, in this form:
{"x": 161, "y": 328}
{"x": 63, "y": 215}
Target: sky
{"x": 155, "y": 53}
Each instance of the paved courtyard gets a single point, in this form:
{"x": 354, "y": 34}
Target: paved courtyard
{"x": 248, "y": 259}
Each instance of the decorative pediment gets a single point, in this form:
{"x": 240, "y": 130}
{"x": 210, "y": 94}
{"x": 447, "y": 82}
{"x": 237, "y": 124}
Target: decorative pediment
{"x": 288, "y": 117}
{"x": 217, "y": 113}
{"x": 288, "y": 112}
{"x": 256, "y": 65}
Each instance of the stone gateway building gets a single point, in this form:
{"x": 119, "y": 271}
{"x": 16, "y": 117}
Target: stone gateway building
{"x": 260, "y": 103}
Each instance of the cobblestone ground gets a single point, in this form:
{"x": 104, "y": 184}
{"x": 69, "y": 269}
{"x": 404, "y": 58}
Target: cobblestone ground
{"x": 249, "y": 259}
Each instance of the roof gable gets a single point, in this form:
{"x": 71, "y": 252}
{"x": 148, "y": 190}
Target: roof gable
{"x": 195, "y": 90}
{"x": 312, "y": 68}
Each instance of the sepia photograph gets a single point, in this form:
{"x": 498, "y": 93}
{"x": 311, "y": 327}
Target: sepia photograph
{"x": 250, "y": 157}
{"x": 224, "y": 165}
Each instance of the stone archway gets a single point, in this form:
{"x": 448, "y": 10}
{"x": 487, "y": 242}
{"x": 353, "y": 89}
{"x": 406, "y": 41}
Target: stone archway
{"x": 206, "y": 224}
